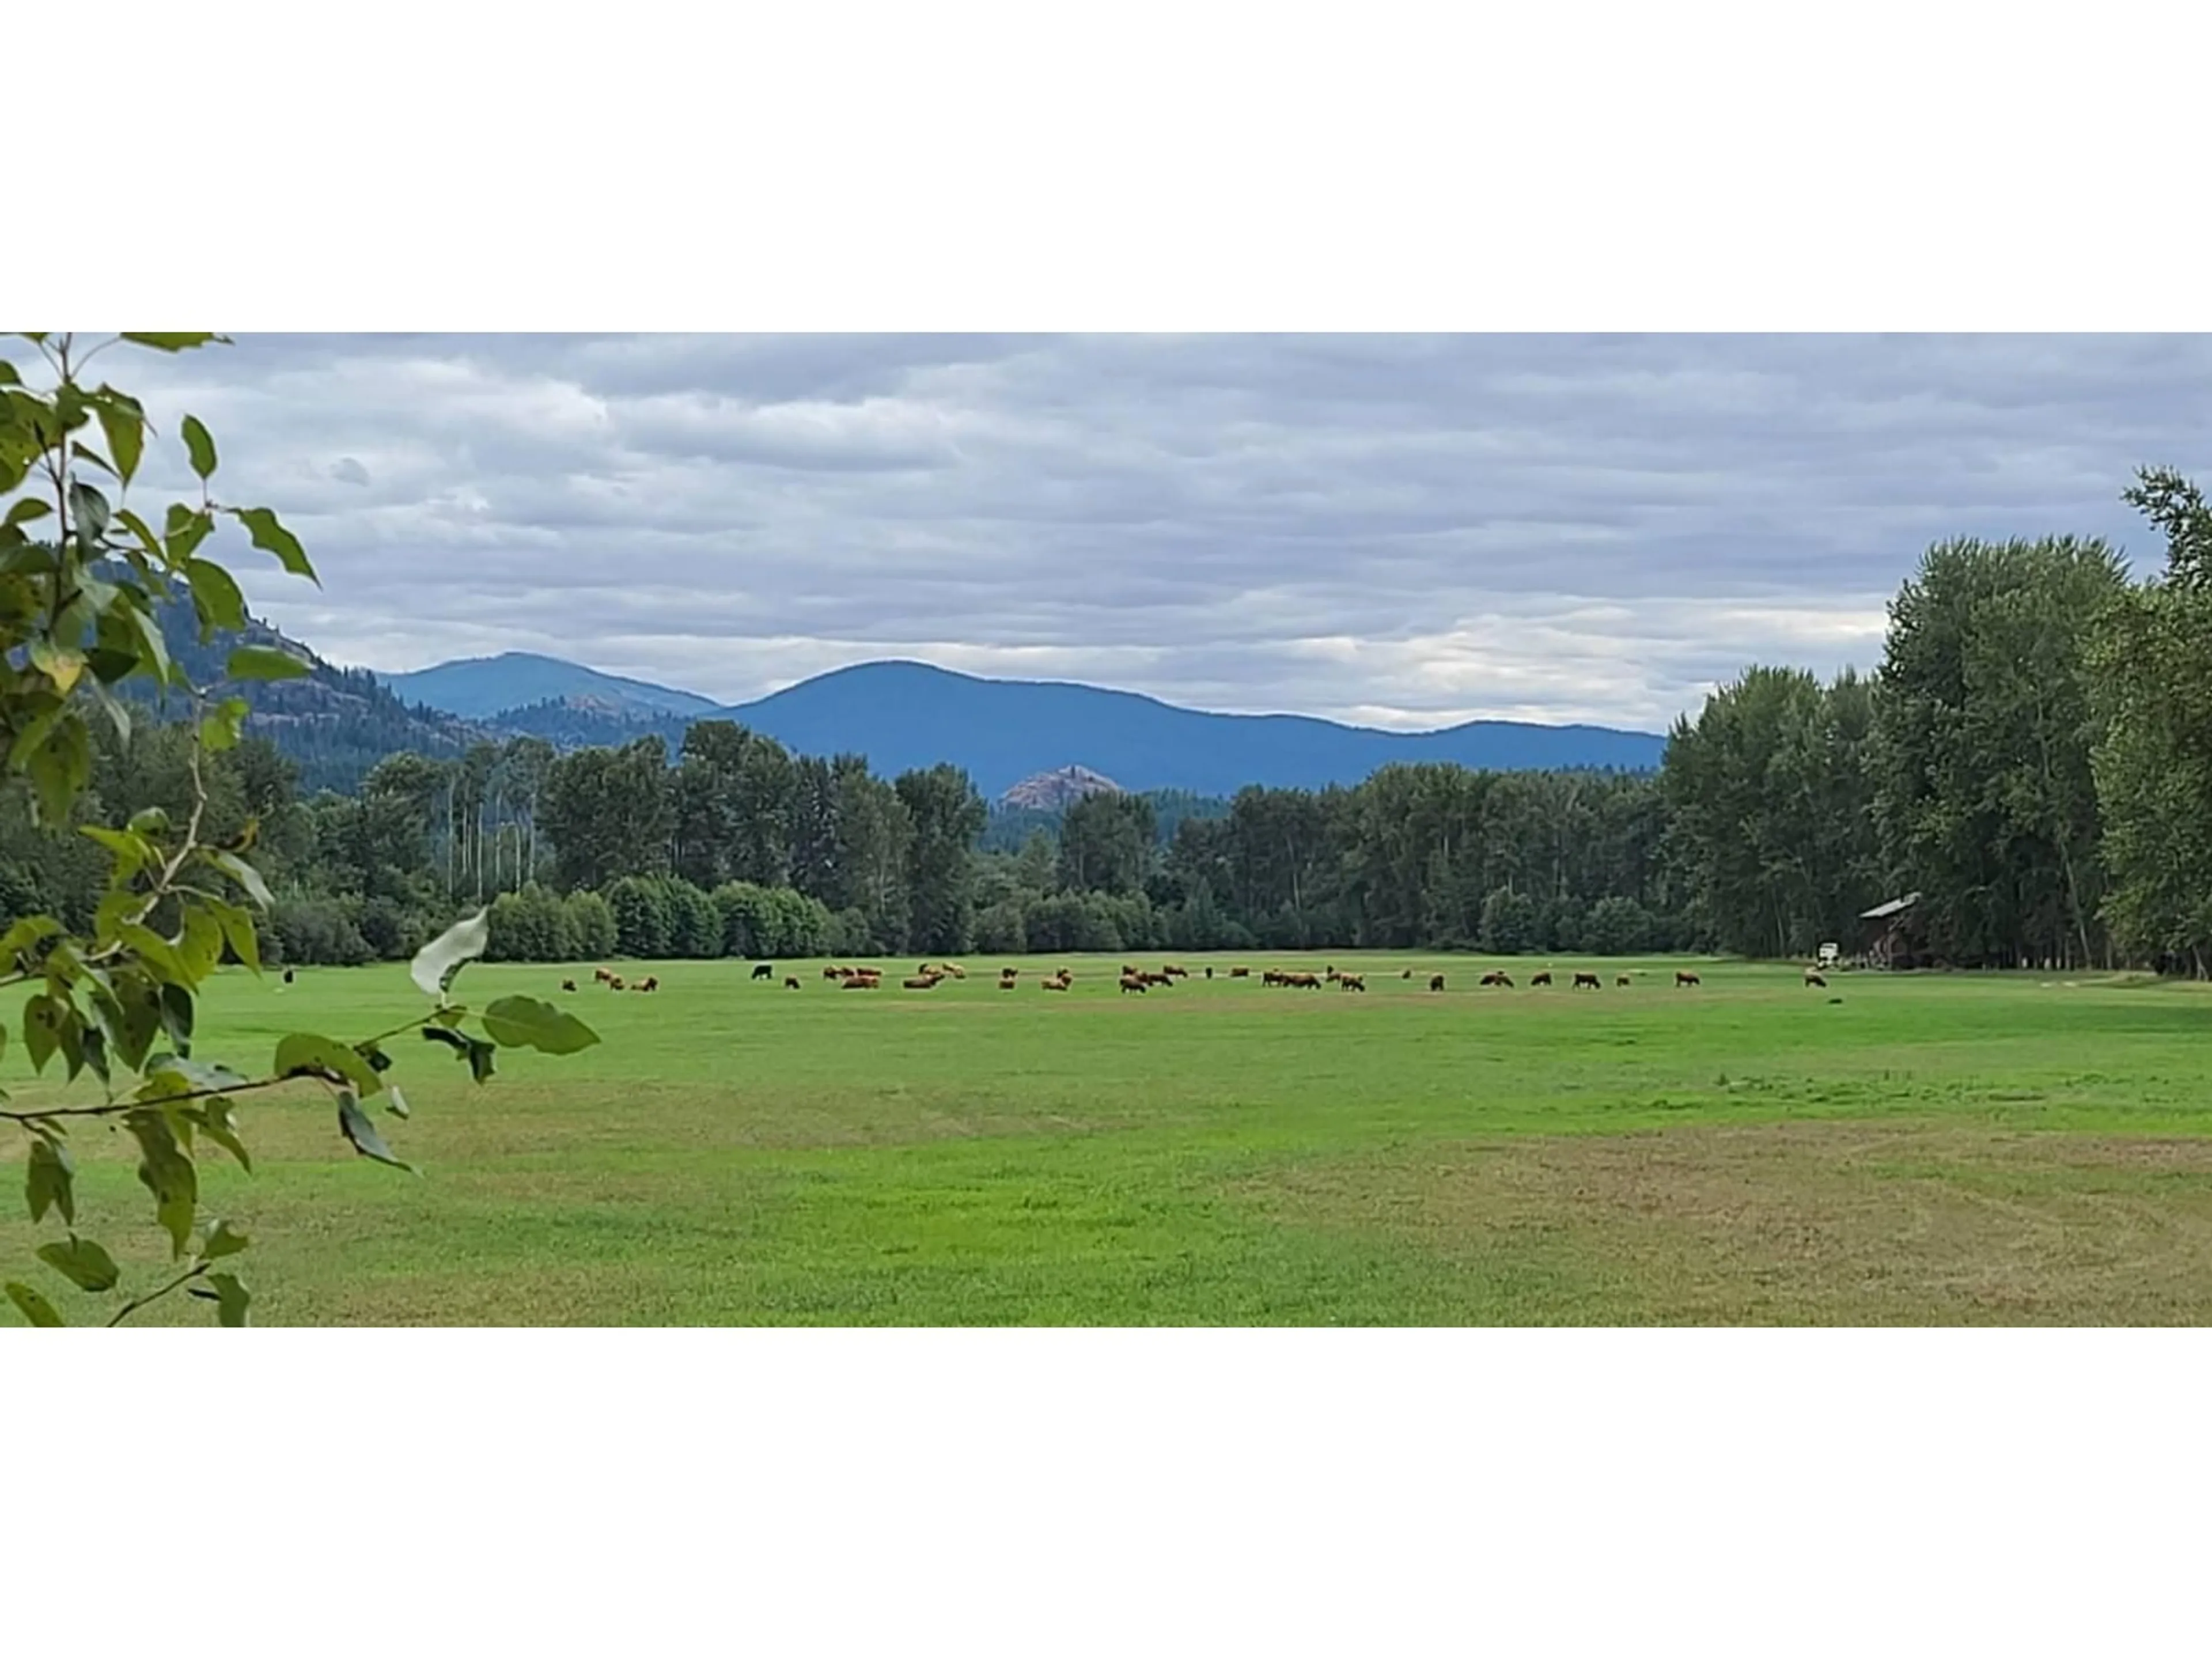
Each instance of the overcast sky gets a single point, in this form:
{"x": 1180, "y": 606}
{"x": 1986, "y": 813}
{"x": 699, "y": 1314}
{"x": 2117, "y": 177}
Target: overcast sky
{"x": 1392, "y": 530}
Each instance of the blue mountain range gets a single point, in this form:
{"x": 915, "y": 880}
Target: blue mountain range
{"x": 907, "y": 715}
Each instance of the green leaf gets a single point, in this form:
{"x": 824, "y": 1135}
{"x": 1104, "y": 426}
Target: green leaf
{"x": 271, "y": 537}
{"x": 167, "y": 1173}
{"x": 222, "y": 1240}
{"x": 22, "y": 935}
{"x": 125, "y": 428}
{"x": 49, "y": 1181}
{"x": 183, "y": 529}
{"x": 238, "y": 931}
{"x": 260, "y": 662}
{"x": 358, "y": 1127}
{"x": 199, "y": 445}
{"x": 178, "y": 1014}
{"x": 526, "y": 1023}
{"x": 200, "y": 944}
{"x": 394, "y": 1102}
{"x": 157, "y": 952}
{"x": 175, "y": 1075}
{"x": 153, "y": 646}
{"x": 437, "y": 963}
{"x": 133, "y": 852}
{"x": 60, "y": 664}
{"x": 475, "y": 1050}
{"x": 90, "y": 510}
{"x": 36, "y": 1308}
{"x": 176, "y": 342}
{"x": 248, "y": 877}
{"x": 43, "y": 1016}
{"x": 218, "y": 1124}
{"x": 231, "y": 1300}
{"x": 220, "y": 731}
{"x": 83, "y": 1263}
{"x": 216, "y": 597}
{"x": 28, "y": 508}
{"x": 59, "y": 767}
{"x": 303, "y": 1053}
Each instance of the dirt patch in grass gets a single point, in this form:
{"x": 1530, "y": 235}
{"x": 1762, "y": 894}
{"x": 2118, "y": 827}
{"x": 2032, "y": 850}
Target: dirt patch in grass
{"x": 1824, "y": 1222}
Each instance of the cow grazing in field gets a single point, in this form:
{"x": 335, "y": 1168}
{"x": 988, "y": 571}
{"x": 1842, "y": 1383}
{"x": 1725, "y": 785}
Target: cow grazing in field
{"x": 1544, "y": 978}
{"x": 600, "y": 976}
{"x": 1240, "y": 972}
{"x": 614, "y": 982}
{"x": 834, "y": 973}
{"x": 763, "y": 971}
{"x": 1056, "y": 981}
{"x": 860, "y": 982}
{"x": 1353, "y": 981}
{"x": 1332, "y": 976}
{"x": 1620, "y": 979}
{"x": 1494, "y": 977}
{"x": 1168, "y": 970}
{"x": 650, "y": 982}
{"x": 1136, "y": 982}
{"x": 789, "y": 983}
{"x": 1435, "y": 981}
{"x": 1272, "y": 976}
{"x": 922, "y": 981}
{"x": 567, "y": 984}
{"x": 1010, "y": 974}
{"x": 1813, "y": 978}
{"x": 1590, "y": 981}
{"x": 1302, "y": 982}
{"x": 1683, "y": 979}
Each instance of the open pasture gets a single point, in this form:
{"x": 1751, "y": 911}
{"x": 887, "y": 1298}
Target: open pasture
{"x": 1914, "y": 1148}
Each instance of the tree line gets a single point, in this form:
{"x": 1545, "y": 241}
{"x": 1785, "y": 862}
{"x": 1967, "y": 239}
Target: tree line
{"x": 2032, "y": 756}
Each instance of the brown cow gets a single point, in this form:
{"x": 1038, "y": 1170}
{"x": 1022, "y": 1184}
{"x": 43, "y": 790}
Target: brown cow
{"x": 1240, "y": 972}
{"x": 614, "y": 982}
{"x": 1302, "y": 982}
{"x": 1544, "y": 978}
{"x": 1496, "y": 978}
{"x": 1813, "y": 978}
{"x": 858, "y": 982}
{"x": 1170, "y": 972}
{"x": 1054, "y": 984}
{"x": 1435, "y": 981}
{"x": 1620, "y": 979}
{"x": 1134, "y": 982}
{"x": 789, "y": 983}
{"x": 600, "y": 976}
{"x": 834, "y": 972}
{"x": 922, "y": 981}
{"x": 1006, "y": 983}
{"x": 1353, "y": 981}
{"x": 650, "y": 982}
{"x": 1272, "y": 976}
{"x": 1590, "y": 980}
{"x": 1683, "y": 979}
{"x": 567, "y": 984}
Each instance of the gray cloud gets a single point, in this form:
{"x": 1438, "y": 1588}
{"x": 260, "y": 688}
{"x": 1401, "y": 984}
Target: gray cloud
{"x": 1402, "y": 530}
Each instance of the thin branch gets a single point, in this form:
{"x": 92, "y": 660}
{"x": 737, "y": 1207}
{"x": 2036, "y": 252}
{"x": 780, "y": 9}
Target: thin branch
{"x": 138, "y": 1302}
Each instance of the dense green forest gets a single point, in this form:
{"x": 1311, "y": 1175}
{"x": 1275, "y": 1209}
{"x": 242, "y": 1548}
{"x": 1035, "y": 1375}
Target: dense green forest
{"x": 2032, "y": 756}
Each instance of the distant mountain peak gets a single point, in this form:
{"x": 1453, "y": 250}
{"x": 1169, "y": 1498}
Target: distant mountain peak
{"x": 482, "y": 688}
{"x": 1053, "y": 791}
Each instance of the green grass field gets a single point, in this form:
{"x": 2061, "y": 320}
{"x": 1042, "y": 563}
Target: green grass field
{"x": 1944, "y": 1149}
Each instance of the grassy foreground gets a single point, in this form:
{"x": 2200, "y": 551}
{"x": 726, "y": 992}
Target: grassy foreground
{"x": 1943, "y": 1149}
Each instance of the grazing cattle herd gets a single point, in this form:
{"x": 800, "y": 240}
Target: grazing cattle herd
{"x": 928, "y": 976}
